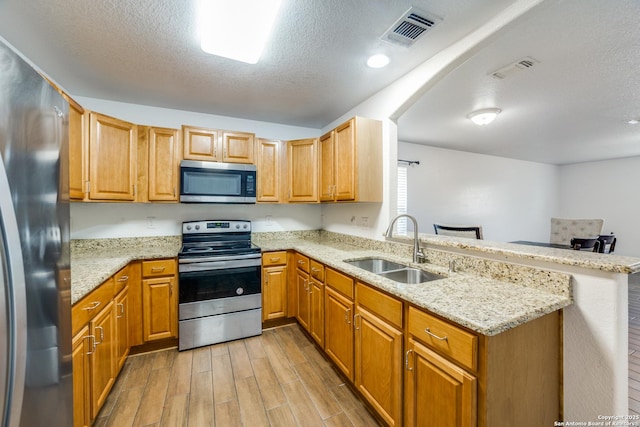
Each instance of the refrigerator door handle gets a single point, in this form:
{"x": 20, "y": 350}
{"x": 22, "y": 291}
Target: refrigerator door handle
{"x": 13, "y": 307}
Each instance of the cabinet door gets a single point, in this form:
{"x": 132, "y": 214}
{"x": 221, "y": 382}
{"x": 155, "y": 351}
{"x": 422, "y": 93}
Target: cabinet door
{"x": 338, "y": 330}
{"x": 274, "y": 293}
{"x": 378, "y": 365}
{"x": 112, "y": 159}
{"x": 345, "y": 161}
{"x": 121, "y": 314}
{"x": 200, "y": 144}
{"x": 303, "y": 311}
{"x": 81, "y": 349}
{"x": 303, "y": 170}
{"x": 159, "y": 308}
{"x": 237, "y": 147}
{"x": 164, "y": 164}
{"x": 78, "y": 151}
{"x": 103, "y": 363}
{"x": 268, "y": 166}
{"x": 437, "y": 392}
{"x": 327, "y": 172}
{"x": 316, "y": 316}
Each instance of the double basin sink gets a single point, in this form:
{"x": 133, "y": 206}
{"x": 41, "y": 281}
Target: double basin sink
{"x": 394, "y": 271}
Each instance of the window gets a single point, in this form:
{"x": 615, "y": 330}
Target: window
{"x": 401, "y": 224}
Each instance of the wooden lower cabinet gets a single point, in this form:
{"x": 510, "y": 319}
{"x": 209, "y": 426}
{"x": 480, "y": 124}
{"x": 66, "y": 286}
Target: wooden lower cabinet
{"x": 103, "y": 328}
{"x": 437, "y": 393}
{"x": 121, "y": 315}
{"x": 338, "y": 342}
{"x": 274, "y": 292}
{"x": 378, "y": 365}
{"x": 159, "y": 311}
{"x": 316, "y": 311}
{"x": 304, "y": 310}
{"x": 81, "y": 349}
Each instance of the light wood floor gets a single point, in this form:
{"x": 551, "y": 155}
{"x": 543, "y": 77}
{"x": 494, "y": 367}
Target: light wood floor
{"x": 276, "y": 379}
{"x": 634, "y": 344}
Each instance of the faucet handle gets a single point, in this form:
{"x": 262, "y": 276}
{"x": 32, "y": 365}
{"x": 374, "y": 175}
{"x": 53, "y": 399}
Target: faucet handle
{"x": 421, "y": 257}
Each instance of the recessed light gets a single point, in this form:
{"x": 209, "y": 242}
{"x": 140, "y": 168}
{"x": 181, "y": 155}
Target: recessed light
{"x": 378, "y": 61}
{"x": 234, "y": 29}
{"x": 484, "y": 117}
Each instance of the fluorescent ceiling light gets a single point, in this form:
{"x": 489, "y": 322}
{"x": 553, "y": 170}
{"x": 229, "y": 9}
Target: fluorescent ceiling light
{"x": 236, "y": 29}
{"x": 484, "y": 116}
{"x": 378, "y": 61}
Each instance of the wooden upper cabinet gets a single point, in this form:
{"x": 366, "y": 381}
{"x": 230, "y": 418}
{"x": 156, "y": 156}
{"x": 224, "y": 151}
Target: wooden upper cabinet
{"x": 218, "y": 145}
{"x": 303, "y": 170}
{"x": 164, "y": 165}
{"x": 78, "y": 151}
{"x": 112, "y": 158}
{"x": 269, "y": 170}
{"x": 237, "y": 147}
{"x": 327, "y": 172}
{"x": 200, "y": 144}
{"x": 352, "y": 162}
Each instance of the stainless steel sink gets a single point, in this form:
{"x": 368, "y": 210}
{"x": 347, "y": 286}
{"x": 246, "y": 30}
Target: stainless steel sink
{"x": 394, "y": 271}
{"x": 376, "y": 265}
{"x": 411, "y": 276}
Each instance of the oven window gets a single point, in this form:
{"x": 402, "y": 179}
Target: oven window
{"x": 211, "y": 183}
{"x": 214, "y": 284}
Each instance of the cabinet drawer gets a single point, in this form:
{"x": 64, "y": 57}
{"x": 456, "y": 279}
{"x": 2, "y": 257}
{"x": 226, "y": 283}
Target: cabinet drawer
{"x": 316, "y": 270}
{"x": 160, "y": 267}
{"x": 87, "y": 308}
{"x": 121, "y": 279}
{"x": 274, "y": 258}
{"x": 379, "y": 303}
{"x": 339, "y": 282}
{"x": 444, "y": 337}
{"x": 302, "y": 262}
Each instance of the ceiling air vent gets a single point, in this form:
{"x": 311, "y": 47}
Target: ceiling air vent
{"x": 521, "y": 64}
{"x": 410, "y": 27}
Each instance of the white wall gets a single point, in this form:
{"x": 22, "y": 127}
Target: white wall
{"x": 510, "y": 199}
{"x": 104, "y": 220}
{"x": 609, "y": 190}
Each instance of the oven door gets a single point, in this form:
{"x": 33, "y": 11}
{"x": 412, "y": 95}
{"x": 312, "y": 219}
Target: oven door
{"x": 211, "y": 288}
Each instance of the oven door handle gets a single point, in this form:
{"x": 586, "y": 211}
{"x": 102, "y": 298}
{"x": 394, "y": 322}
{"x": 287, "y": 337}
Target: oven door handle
{"x": 219, "y": 265}
{"x": 189, "y": 260}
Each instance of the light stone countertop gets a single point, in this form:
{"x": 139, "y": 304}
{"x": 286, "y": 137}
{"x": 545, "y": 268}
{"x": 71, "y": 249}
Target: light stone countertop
{"x": 482, "y": 304}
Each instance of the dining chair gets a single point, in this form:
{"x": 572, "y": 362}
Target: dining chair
{"x": 591, "y": 245}
{"x": 607, "y": 243}
{"x": 564, "y": 229}
{"x": 468, "y": 231}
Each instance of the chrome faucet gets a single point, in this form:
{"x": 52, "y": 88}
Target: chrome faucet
{"x": 418, "y": 255}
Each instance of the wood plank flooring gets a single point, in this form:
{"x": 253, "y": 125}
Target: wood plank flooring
{"x": 276, "y": 379}
{"x": 634, "y": 344}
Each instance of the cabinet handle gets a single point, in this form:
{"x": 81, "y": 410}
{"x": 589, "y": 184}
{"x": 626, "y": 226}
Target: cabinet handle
{"x": 174, "y": 191}
{"x": 347, "y": 318}
{"x": 101, "y": 335}
{"x": 301, "y": 262}
{"x": 355, "y": 321}
{"x": 92, "y": 344}
{"x": 275, "y": 259}
{"x": 93, "y": 306}
{"x": 266, "y": 280}
{"x": 315, "y": 270}
{"x": 157, "y": 269}
{"x": 121, "y": 311}
{"x": 306, "y": 285}
{"x": 123, "y": 279}
{"x": 428, "y": 331}
{"x": 171, "y": 290}
{"x": 406, "y": 360}
{"x": 88, "y": 187}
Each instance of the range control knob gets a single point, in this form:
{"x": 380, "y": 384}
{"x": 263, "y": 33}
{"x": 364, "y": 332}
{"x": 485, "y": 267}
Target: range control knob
{"x": 239, "y": 291}
{"x": 188, "y": 227}
{"x": 197, "y": 227}
{"x": 245, "y": 226}
{"x": 237, "y": 226}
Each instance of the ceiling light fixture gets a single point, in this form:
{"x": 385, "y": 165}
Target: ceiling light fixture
{"x": 234, "y": 29}
{"x": 633, "y": 121}
{"x": 484, "y": 116}
{"x": 378, "y": 61}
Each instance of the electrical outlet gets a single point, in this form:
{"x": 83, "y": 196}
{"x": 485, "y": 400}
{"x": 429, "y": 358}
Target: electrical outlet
{"x": 151, "y": 222}
{"x": 364, "y": 221}
{"x": 268, "y": 220}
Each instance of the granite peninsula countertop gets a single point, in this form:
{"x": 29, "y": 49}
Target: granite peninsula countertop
{"x": 482, "y": 304}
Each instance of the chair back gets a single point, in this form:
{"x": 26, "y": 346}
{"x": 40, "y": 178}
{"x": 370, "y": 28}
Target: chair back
{"x": 468, "y": 231}
{"x": 607, "y": 243}
{"x": 564, "y": 229}
{"x": 579, "y": 244}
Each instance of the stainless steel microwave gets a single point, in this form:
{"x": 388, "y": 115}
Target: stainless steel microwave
{"x": 213, "y": 182}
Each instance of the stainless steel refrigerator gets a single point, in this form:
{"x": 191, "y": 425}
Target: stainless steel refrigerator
{"x": 35, "y": 313}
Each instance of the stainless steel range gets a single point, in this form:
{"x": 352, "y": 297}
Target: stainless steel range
{"x": 219, "y": 273}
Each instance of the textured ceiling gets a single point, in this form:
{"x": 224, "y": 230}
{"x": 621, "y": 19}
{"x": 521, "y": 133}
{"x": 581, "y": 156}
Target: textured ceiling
{"x": 570, "y": 107}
